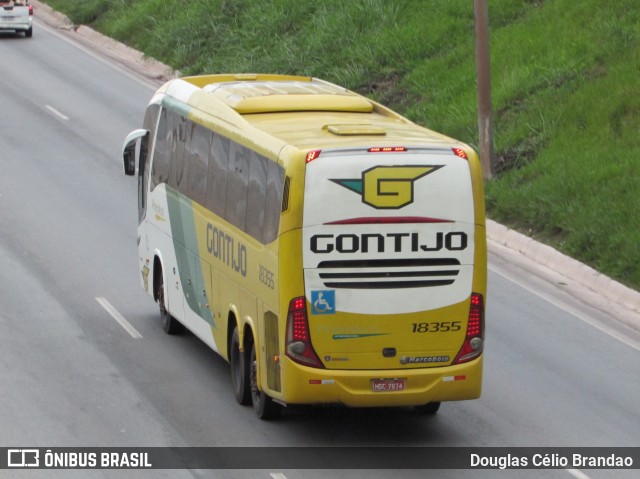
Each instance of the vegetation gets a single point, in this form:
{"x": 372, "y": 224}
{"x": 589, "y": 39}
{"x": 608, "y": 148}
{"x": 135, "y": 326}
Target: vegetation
{"x": 566, "y": 93}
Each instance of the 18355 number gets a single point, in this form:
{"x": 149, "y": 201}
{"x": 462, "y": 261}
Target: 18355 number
{"x": 441, "y": 327}
{"x": 266, "y": 277}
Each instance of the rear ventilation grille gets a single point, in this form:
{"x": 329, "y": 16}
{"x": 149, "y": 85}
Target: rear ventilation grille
{"x": 272, "y": 350}
{"x": 389, "y": 274}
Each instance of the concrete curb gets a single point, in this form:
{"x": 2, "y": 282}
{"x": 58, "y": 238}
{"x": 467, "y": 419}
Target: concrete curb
{"x": 538, "y": 252}
{"x": 118, "y": 52}
{"x": 566, "y": 266}
{"x": 48, "y": 15}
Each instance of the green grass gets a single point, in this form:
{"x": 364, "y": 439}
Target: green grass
{"x": 565, "y": 78}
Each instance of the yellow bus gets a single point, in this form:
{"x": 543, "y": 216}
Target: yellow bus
{"x": 332, "y": 251}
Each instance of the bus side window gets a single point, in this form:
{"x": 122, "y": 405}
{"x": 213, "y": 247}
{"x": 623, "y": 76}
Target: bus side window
{"x": 256, "y": 195}
{"x": 196, "y": 160}
{"x": 178, "y": 176}
{"x": 150, "y": 123}
{"x": 273, "y": 203}
{"x": 237, "y": 185}
{"x": 162, "y": 152}
{"x": 216, "y": 197}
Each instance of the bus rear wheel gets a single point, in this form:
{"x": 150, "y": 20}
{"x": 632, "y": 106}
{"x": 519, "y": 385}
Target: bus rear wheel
{"x": 264, "y": 406}
{"x": 170, "y": 325}
{"x": 239, "y": 371}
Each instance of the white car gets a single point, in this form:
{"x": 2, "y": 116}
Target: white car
{"x": 17, "y": 16}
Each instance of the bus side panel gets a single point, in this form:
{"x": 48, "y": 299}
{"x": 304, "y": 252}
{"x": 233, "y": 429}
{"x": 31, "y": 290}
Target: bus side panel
{"x": 206, "y": 247}
{"x": 161, "y": 245}
{"x": 192, "y": 276}
{"x": 245, "y": 273}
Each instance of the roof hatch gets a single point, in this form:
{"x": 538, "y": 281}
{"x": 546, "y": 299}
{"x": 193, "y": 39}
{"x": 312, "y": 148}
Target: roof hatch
{"x": 279, "y": 96}
{"x": 353, "y": 130}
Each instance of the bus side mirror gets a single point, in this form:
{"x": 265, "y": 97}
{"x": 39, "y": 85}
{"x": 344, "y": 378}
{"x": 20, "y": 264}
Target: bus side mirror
{"x": 129, "y": 150}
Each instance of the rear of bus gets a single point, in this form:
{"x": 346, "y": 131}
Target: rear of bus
{"x": 394, "y": 260}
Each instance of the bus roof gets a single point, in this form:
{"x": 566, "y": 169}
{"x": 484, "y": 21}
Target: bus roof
{"x": 303, "y": 112}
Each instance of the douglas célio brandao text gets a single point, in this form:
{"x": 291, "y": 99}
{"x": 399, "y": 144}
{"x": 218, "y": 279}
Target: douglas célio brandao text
{"x": 549, "y": 460}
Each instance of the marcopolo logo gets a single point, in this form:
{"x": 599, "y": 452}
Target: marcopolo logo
{"x": 387, "y": 187}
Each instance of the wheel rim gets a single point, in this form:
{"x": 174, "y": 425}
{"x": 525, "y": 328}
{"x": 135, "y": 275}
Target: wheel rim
{"x": 164, "y": 315}
{"x": 237, "y": 367}
{"x": 256, "y": 396}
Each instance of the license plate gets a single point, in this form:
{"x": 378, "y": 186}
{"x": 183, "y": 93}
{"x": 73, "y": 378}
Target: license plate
{"x": 8, "y": 19}
{"x": 387, "y": 385}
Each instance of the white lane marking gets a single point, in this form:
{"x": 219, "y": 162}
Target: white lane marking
{"x": 577, "y": 474}
{"x": 133, "y": 332}
{"x": 573, "y": 311}
{"x": 56, "y": 113}
{"x": 277, "y": 475}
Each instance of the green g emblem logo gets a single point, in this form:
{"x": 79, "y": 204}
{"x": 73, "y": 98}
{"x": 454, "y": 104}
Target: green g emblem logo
{"x": 387, "y": 187}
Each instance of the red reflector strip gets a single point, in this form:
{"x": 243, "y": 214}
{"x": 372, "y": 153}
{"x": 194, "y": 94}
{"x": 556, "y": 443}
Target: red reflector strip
{"x": 321, "y": 381}
{"x": 453, "y": 378}
{"x": 386, "y": 149}
{"x": 376, "y": 220}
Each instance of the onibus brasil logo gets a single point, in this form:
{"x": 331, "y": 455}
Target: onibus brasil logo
{"x": 387, "y": 187}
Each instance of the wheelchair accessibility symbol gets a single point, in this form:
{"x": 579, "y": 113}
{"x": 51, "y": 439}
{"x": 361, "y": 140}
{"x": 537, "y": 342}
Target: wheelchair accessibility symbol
{"x": 323, "y": 302}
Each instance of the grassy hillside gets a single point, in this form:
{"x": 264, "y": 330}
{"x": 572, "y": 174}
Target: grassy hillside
{"x": 566, "y": 93}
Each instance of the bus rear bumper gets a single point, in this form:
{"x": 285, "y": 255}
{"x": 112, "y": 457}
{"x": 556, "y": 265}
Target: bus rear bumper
{"x": 413, "y": 387}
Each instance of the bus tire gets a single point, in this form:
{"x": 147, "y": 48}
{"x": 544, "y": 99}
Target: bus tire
{"x": 170, "y": 325}
{"x": 239, "y": 371}
{"x": 264, "y": 406}
{"x": 428, "y": 409}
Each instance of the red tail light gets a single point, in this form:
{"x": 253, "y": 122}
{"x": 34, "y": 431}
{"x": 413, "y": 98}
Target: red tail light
{"x": 386, "y": 149}
{"x": 474, "y": 340}
{"x": 299, "y": 347}
{"x": 30, "y": 9}
{"x": 460, "y": 152}
{"x": 312, "y": 155}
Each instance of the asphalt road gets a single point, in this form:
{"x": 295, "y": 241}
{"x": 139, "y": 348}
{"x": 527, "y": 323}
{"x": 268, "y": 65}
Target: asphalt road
{"x": 557, "y": 372}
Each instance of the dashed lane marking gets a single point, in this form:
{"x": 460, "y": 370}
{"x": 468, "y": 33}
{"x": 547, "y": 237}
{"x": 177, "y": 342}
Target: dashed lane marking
{"x": 133, "y": 332}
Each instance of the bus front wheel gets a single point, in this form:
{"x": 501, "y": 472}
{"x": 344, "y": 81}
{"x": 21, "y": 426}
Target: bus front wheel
{"x": 170, "y": 325}
{"x": 264, "y": 406}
